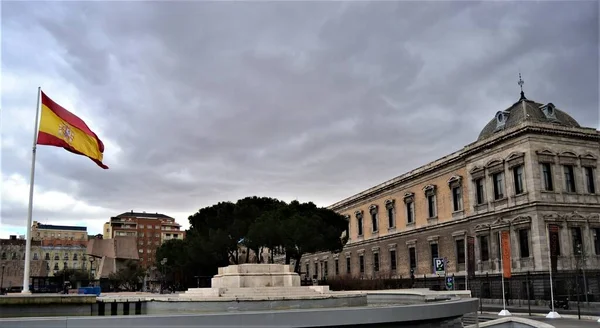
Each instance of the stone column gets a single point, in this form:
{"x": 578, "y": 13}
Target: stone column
{"x": 566, "y": 247}
{"x": 539, "y": 242}
{"x": 588, "y": 241}
{"x": 514, "y": 249}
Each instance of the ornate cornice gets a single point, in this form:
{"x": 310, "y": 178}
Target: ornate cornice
{"x": 572, "y": 216}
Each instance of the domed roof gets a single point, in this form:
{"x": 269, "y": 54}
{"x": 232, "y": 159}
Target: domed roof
{"x": 526, "y": 110}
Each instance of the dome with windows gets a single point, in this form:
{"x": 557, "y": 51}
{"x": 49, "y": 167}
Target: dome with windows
{"x": 526, "y": 110}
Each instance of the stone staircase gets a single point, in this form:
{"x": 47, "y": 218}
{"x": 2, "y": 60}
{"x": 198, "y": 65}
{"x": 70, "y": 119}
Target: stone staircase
{"x": 470, "y": 319}
{"x": 258, "y": 292}
{"x": 271, "y": 292}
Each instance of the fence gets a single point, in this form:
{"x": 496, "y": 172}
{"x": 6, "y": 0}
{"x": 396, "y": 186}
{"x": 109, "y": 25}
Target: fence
{"x": 532, "y": 286}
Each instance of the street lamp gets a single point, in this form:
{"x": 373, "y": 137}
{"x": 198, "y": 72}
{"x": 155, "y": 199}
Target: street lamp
{"x": 162, "y": 263}
{"x": 65, "y": 277}
{"x": 91, "y": 269}
{"x": 2, "y": 279}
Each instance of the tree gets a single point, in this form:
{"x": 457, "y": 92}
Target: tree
{"x": 265, "y": 232}
{"x": 129, "y": 276}
{"x": 177, "y": 255}
{"x": 223, "y": 227}
{"x": 217, "y": 232}
{"x": 308, "y": 229}
{"x": 252, "y": 211}
{"x": 72, "y": 275}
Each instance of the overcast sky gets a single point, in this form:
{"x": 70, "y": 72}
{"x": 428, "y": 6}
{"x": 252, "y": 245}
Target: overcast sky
{"x": 200, "y": 102}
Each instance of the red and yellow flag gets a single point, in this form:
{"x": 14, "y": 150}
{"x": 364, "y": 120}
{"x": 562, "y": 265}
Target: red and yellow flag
{"x": 61, "y": 128}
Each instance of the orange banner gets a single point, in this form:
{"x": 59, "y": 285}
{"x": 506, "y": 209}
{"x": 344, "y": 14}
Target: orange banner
{"x": 505, "y": 241}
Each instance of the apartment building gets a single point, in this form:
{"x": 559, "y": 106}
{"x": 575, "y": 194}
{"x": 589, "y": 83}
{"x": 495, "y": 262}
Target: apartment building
{"x": 150, "y": 230}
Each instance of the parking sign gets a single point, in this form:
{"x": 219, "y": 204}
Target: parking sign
{"x": 439, "y": 265}
{"x": 450, "y": 283}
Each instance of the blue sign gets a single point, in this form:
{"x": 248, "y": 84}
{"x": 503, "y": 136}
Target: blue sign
{"x": 439, "y": 265}
{"x": 450, "y": 282}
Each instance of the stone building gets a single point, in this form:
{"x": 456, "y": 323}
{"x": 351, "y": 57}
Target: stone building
{"x": 61, "y": 254}
{"x": 41, "y": 231}
{"x": 61, "y": 246}
{"x": 533, "y": 169}
{"x": 12, "y": 261}
{"x": 149, "y": 229}
{"x": 108, "y": 256}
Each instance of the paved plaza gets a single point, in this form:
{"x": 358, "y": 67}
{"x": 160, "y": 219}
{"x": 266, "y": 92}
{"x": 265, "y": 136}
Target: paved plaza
{"x": 568, "y": 322}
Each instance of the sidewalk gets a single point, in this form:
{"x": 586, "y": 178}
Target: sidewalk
{"x": 564, "y": 322}
{"x": 540, "y": 309}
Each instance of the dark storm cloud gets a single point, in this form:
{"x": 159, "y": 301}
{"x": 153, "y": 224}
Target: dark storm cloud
{"x": 316, "y": 100}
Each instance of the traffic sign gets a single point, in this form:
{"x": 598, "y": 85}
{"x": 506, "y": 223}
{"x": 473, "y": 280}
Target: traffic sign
{"x": 439, "y": 265}
{"x": 450, "y": 283}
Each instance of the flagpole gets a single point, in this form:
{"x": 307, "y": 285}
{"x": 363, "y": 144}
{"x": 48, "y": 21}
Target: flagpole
{"x": 30, "y": 209}
{"x": 552, "y": 314}
{"x": 466, "y": 262}
{"x": 504, "y": 311}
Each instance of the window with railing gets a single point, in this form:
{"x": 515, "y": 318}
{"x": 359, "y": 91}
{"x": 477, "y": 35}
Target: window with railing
{"x": 479, "y": 189}
{"x": 589, "y": 179}
{"x": 361, "y": 263}
{"x": 569, "y": 178}
{"x": 348, "y": 266}
{"x": 484, "y": 251}
{"x": 498, "y": 179}
{"x": 524, "y": 243}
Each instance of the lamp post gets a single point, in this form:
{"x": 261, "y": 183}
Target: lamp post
{"x": 162, "y": 263}
{"x": 152, "y": 277}
{"x": 65, "y": 289}
{"x": 2, "y": 279}
{"x": 91, "y": 270}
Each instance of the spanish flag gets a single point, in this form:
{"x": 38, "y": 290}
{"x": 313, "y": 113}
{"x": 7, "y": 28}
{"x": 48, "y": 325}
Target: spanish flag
{"x": 61, "y": 128}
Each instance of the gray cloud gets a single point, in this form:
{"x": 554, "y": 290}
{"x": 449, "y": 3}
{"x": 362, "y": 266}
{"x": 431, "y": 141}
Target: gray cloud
{"x": 318, "y": 100}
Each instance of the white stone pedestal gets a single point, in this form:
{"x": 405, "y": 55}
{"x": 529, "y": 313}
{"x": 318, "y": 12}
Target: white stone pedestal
{"x": 255, "y": 275}
{"x": 257, "y": 281}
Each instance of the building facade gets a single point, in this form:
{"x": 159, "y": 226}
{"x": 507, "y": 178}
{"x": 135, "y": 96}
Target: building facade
{"x": 149, "y": 229}
{"x": 531, "y": 175}
{"x": 57, "y": 232}
{"x": 107, "y": 256}
{"x": 64, "y": 254}
{"x": 61, "y": 246}
{"x": 12, "y": 260}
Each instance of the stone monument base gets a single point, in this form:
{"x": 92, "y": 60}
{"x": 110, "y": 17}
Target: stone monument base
{"x": 257, "y": 281}
{"x": 255, "y": 275}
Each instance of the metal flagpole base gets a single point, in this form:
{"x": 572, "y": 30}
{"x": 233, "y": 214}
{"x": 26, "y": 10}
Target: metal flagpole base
{"x": 553, "y": 315}
{"x": 504, "y": 313}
